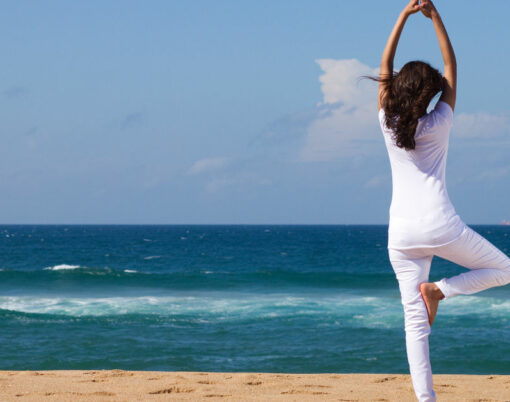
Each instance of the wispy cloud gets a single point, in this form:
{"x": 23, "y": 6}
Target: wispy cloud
{"x": 493, "y": 174}
{"x": 236, "y": 180}
{"x": 219, "y": 174}
{"x": 208, "y": 164}
{"x": 481, "y": 125}
{"x": 378, "y": 181}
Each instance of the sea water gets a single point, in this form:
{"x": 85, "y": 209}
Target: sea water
{"x": 264, "y": 298}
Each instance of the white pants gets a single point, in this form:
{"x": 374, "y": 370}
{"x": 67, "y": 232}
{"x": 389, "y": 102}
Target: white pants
{"x": 489, "y": 267}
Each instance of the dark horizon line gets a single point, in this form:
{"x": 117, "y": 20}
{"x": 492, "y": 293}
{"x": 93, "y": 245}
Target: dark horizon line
{"x": 502, "y": 223}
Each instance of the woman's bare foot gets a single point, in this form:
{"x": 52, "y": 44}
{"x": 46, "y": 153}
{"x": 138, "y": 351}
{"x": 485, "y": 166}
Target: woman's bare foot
{"x": 431, "y": 295}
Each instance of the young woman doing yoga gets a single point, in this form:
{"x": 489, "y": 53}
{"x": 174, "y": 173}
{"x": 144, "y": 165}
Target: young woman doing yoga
{"x": 423, "y": 222}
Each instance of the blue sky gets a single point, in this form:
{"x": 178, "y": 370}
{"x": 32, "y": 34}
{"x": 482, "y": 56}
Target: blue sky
{"x": 232, "y": 112}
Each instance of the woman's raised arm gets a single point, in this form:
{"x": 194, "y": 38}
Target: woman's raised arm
{"x": 388, "y": 55}
{"x": 450, "y": 63}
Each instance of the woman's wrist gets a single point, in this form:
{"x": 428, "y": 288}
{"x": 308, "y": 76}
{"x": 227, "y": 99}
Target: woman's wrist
{"x": 404, "y": 15}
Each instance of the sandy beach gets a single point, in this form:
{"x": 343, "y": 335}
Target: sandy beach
{"x": 119, "y": 385}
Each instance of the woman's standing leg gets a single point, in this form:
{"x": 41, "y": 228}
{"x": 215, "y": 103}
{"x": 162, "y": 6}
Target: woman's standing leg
{"x": 412, "y": 267}
{"x": 489, "y": 266}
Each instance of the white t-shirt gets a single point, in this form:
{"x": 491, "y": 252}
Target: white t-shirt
{"x": 421, "y": 213}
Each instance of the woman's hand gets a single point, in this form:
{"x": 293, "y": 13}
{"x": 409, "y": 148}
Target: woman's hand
{"x": 427, "y": 8}
{"x": 412, "y": 8}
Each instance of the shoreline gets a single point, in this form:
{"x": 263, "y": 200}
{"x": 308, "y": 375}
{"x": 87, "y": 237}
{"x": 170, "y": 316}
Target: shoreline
{"x": 123, "y": 385}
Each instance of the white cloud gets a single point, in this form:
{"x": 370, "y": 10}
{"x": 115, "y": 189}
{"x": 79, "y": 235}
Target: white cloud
{"x": 481, "y": 125}
{"x": 346, "y": 122}
{"x": 378, "y": 181}
{"x": 340, "y": 82}
{"x": 235, "y": 180}
{"x": 208, "y": 164}
{"x": 224, "y": 174}
{"x": 343, "y": 128}
{"x": 494, "y": 174}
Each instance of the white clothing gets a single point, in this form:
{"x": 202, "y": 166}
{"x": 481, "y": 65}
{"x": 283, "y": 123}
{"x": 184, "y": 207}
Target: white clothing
{"x": 489, "y": 267}
{"x": 423, "y": 223}
{"x": 421, "y": 213}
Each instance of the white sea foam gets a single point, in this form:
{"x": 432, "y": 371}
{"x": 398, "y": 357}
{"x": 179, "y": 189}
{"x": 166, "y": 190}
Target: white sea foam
{"x": 214, "y": 307}
{"x": 130, "y": 270}
{"x": 353, "y": 311}
{"x": 152, "y": 257}
{"x": 62, "y": 266}
{"x": 467, "y": 305}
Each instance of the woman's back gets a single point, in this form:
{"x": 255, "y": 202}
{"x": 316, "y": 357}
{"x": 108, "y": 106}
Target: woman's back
{"x": 421, "y": 213}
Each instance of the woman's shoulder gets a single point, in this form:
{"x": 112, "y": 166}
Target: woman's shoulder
{"x": 444, "y": 110}
{"x": 438, "y": 119}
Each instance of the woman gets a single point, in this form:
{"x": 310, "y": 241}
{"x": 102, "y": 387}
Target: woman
{"x": 423, "y": 221}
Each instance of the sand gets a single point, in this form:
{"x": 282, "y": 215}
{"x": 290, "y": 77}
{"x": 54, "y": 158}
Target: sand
{"x": 119, "y": 385}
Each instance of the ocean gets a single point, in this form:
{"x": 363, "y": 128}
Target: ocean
{"x": 260, "y": 298}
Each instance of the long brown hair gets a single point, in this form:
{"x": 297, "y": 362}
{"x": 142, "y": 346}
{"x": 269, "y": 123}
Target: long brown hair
{"x": 406, "y": 97}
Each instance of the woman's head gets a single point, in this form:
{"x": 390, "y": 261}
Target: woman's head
{"x": 406, "y": 98}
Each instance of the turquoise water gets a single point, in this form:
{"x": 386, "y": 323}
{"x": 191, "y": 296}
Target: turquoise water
{"x": 295, "y": 299}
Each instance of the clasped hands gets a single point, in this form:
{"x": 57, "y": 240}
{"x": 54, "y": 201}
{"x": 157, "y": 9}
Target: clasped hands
{"x": 425, "y": 6}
